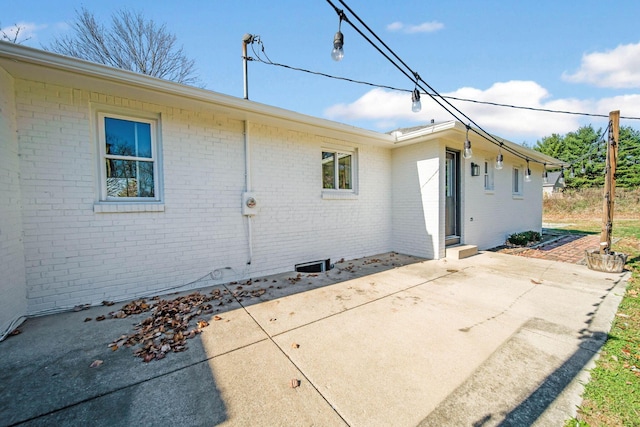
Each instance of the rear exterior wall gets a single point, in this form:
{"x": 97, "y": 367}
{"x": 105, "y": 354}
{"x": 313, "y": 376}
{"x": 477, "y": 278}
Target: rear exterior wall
{"x": 78, "y": 252}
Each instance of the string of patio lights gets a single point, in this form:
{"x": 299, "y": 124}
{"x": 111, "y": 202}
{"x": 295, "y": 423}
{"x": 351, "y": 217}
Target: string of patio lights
{"x": 420, "y": 84}
{"x": 337, "y": 54}
{"x": 258, "y": 56}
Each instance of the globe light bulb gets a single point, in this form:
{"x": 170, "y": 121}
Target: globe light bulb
{"x": 416, "y": 105}
{"x": 338, "y": 52}
{"x": 499, "y": 161}
{"x": 467, "y": 150}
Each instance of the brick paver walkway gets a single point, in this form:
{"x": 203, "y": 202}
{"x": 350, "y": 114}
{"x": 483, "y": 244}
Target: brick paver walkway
{"x": 568, "y": 248}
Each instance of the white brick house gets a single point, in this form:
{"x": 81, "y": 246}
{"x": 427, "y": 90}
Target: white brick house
{"x": 88, "y": 215}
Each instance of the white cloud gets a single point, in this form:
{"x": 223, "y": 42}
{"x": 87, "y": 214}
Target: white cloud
{"x": 387, "y": 110}
{"x": 617, "y": 68}
{"x": 27, "y": 31}
{"x": 425, "y": 27}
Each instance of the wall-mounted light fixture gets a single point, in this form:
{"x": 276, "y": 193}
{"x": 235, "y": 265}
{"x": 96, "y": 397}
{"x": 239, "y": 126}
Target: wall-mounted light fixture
{"x": 475, "y": 169}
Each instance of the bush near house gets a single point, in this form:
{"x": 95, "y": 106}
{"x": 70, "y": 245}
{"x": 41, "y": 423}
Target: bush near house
{"x": 524, "y": 238}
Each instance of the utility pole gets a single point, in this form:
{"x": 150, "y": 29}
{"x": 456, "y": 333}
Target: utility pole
{"x": 610, "y": 182}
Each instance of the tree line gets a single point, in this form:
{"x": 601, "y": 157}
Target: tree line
{"x": 585, "y": 150}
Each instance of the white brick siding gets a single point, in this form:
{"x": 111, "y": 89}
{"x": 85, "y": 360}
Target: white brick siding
{"x": 76, "y": 255}
{"x": 499, "y": 213}
{"x": 13, "y": 302}
{"x": 418, "y": 204}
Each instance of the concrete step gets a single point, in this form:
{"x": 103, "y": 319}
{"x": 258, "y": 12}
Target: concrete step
{"x": 461, "y": 251}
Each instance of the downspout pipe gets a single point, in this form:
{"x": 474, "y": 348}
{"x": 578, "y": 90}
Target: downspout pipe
{"x": 248, "y": 185}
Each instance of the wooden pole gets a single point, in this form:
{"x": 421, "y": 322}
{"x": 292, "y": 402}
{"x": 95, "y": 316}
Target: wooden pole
{"x": 610, "y": 182}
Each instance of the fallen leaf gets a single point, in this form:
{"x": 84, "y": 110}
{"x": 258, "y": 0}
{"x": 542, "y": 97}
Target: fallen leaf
{"x": 88, "y": 319}
{"x": 81, "y": 307}
{"x": 15, "y": 332}
{"x": 108, "y": 303}
{"x": 294, "y": 383}
{"x": 202, "y": 323}
{"x": 100, "y": 318}
{"x": 535, "y": 282}
{"x": 295, "y": 345}
{"x": 96, "y": 363}
{"x": 216, "y": 318}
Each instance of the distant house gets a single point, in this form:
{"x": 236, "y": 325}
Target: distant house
{"x": 553, "y": 184}
{"x": 117, "y": 185}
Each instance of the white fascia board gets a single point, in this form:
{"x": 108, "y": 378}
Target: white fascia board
{"x": 33, "y": 64}
{"x": 456, "y": 130}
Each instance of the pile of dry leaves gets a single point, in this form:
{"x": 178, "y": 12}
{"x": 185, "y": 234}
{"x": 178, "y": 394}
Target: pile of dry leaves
{"x": 168, "y": 327}
{"x": 172, "y": 322}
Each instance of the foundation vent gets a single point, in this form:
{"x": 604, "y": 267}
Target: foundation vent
{"x": 314, "y": 266}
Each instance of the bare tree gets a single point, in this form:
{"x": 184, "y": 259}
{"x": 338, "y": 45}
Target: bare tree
{"x": 13, "y": 35}
{"x": 131, "y": 43}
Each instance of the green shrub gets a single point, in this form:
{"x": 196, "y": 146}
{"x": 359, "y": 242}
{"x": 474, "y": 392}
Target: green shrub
{"x": 523, "y": 238}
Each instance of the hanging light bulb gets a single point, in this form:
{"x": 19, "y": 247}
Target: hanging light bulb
{"x": 527, "y": 175}
{"x": 561, "y": 179}
{"x": 338, "y": 41}
{"x": 499, "y": 160}
{"x": 545, "y": 176}
{"x": 467, "y": 146}
{"x": 583, "y": 170}
{"x": 416, "y": 105}
{"x": 572, "y": 173}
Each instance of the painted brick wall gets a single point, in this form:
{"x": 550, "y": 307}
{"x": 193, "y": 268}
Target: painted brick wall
{"x": 75, "y": 255}
{"x": 489, "y": 217}
{"x": 295, "y": 224}
{"x": 13, "y": 302}
{"x": 417, "y": 206}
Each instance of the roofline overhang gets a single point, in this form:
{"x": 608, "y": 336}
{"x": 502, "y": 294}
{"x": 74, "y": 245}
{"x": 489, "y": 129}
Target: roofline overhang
{"x": 16, "y": 58}
{"x": 478, "y": 138}
{"x": 26, "y": 62}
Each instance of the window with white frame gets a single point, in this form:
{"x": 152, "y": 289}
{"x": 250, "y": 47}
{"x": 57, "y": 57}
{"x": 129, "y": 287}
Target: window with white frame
{"x": 488, "y": 175}
{"x": 129, "y": 158}
{"x": 338, "y": 169}
{"x": 517, "y": 181}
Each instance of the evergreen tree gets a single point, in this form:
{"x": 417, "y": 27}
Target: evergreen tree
{"x": 585, "y": 149}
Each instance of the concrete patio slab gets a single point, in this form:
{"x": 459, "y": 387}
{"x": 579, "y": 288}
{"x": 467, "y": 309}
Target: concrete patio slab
{"x": 384, "y": 340}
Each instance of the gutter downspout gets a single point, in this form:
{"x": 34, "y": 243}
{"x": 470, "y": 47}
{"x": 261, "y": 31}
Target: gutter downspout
{"x": 248, "y": 185}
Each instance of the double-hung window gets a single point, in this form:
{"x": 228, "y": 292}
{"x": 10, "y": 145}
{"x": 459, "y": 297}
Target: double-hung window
{"x": 129, "y": 158}
{"x": 338, "y": 168}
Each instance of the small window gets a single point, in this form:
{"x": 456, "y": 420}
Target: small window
{"x": 338, "y": 170}
{"x": 517, "y": 181}
{"x": 488, "y": 175}
{"x": 129, "y": 165}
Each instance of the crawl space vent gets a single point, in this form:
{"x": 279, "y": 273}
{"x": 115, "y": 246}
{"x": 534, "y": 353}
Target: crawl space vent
{"x": 314, "y": 266}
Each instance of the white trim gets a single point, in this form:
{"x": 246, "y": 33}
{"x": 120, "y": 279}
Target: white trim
{"x": 353, "y": 191}
{"x": 115, "y": 207}
{"x": 102, "y": 112}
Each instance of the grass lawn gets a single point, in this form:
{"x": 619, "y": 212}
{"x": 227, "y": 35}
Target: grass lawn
{"x": 612, "y": 396}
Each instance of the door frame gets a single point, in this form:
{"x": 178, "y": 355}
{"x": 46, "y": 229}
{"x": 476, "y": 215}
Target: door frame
{"x": 452, "y": 236}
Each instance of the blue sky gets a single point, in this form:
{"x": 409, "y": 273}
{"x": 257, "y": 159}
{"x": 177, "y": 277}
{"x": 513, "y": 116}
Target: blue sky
{"x": 578, "y": 56}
